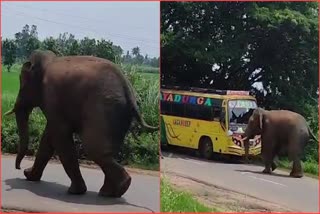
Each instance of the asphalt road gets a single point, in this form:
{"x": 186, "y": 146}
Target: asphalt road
{"x": 50, "y": 194}
{"x": 295, "y": 194}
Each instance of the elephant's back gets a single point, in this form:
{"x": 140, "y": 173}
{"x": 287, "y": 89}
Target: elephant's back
{"x": 77, "y": 80}
{"x": 81, "y": 71}
{"x": 288, "y": 120}
{"x": 80, "y": 65}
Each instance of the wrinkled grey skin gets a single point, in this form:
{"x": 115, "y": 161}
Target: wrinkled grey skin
{"x": 282, "y": 133}
{"x": 77, "y": 94}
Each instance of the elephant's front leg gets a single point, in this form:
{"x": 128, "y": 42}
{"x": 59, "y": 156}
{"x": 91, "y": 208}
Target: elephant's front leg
{"x": 64, "y": 144}
{"x": 65, "y": 147}
{"x": 268, "y": 162}
{"x": 43, "y": 155}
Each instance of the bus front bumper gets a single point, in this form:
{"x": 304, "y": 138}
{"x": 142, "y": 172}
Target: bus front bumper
{"x": 236, "y": 150}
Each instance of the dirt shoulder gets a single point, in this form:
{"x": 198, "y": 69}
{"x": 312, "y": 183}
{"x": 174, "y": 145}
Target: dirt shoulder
{"x": 91, "y": 165}
{"x": 222, "y": 199}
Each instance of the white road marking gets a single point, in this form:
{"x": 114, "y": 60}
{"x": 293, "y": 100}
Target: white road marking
{"x": 265, "y": 180}
{"x": 243, "y": 173}
{"x": 170, "y": 155}
{"x": 192, "y": 161}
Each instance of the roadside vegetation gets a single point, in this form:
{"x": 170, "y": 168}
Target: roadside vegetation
{"x": 142, "y": 71}
{"x": 173, "y": 200}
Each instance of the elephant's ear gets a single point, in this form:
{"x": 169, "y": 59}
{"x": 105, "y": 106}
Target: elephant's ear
{"x": 26, "y": 73}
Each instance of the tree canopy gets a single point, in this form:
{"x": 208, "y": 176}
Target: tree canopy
{"x": 239, "y": 45}
{"x": 27, "y": 40}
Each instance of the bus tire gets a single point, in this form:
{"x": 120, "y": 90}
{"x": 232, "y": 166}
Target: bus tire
{"x": 206, "y": 148}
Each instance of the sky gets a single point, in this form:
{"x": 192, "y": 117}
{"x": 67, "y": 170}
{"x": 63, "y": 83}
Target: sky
{"x": 128, "y": 24}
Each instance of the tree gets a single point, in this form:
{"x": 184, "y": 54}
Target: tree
{"x": 136, "y": 51}
{"x": 27, "y": 41}
{"x": 154, "y": 62}
{"x": 104, "y": 49}
{"x": 9, "y": 53}
{"x": 87, "y": 46}
{"x": 51, "y": 44}
{"x": 233, "y": 45}
{"x": 127, "y": 58}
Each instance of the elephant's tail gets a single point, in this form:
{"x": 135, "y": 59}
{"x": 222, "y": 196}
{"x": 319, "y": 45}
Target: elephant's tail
{"x": 311, "y": 134}
{"x": 135, "y": 109}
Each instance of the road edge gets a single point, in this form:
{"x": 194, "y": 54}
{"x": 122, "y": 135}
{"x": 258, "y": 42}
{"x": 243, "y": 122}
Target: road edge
{"x": 91, "y": 165}
{"x": 222, "y": 188}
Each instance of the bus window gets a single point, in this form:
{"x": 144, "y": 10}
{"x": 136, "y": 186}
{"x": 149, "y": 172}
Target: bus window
{"x": 205, "y": 113}
{"x": 165, "y": 107}
{"x": 177, "y": 109}
{"x": 191, "y": 111}
{"x": 216, "y": 113}
{"x": 223, "y": 116}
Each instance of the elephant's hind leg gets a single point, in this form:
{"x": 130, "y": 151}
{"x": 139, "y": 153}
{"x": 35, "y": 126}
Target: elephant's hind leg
{"x": 44, "y": 154}
{"x": 99, "y": 146}
{"x": 66, "y": 150}
{"x": 296, "y": 171}
{"x": 117, "y": 180}
{"x": 273, "y": 166}
{"x": 295, "y": 153}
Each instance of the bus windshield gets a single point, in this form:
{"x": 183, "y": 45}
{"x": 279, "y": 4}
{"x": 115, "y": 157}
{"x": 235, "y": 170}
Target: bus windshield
{"x": 239, "y": 113}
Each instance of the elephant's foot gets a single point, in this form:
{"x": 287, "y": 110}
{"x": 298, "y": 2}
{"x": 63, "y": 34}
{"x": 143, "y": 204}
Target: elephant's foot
{"x": 31, "y": 175}
{"x": 273, "y": 166}
{"x": 266, "y": 171}
{"x": 77, "y": 188}
{"x": 115, "y": 191}
{"x": 296, "y": 174}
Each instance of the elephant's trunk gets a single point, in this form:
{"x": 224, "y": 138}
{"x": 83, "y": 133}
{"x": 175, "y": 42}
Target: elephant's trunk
{"x": 246, "y": 147}
{"x": 246, "y": 138}
{"x": 22, "y": 119}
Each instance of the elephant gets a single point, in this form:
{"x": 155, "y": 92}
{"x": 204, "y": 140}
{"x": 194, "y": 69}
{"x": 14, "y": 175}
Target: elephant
{"x": 283, "y": 133}
{"x": 86, "y": 95}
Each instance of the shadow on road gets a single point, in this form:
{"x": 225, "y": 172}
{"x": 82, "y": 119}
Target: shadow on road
{"x": 59, "y": 192}
{"x": 261, "y": 173}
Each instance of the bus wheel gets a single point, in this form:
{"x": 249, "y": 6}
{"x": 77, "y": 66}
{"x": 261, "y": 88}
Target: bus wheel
{"x": 206, "y": 148}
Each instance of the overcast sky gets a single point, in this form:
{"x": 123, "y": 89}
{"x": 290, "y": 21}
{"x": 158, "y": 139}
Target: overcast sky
{"x": 128, "y": 24}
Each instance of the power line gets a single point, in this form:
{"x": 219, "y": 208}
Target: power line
{"x": 81, "y": 17}
{"x": 85, "y": 28}
{"x": 152, "y": 47}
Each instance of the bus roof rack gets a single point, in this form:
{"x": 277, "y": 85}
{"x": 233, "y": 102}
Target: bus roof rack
{"x": 206, "y": 90}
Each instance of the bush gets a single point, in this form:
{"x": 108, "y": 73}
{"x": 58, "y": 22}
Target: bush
{"x": 311, "y": 152}
{"x": 143, "y": 153}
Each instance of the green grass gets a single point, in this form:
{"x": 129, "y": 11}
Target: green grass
{"x": 140, "y": 154}
{"x": 310, "y": 168}
{"x": 151, "y": 76}
{"x": 148, "y": 69}
{"x": 173, "y": 200}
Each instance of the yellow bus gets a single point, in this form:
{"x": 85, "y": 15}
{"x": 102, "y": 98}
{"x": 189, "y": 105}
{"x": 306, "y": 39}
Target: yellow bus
{"x": 208, "y": 120}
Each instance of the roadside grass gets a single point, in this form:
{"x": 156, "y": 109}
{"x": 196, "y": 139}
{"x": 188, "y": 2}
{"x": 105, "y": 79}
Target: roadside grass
{"x": 173, "y": 200}
{"x": 310, "y": 168}
{"x": 143, "y": 153}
